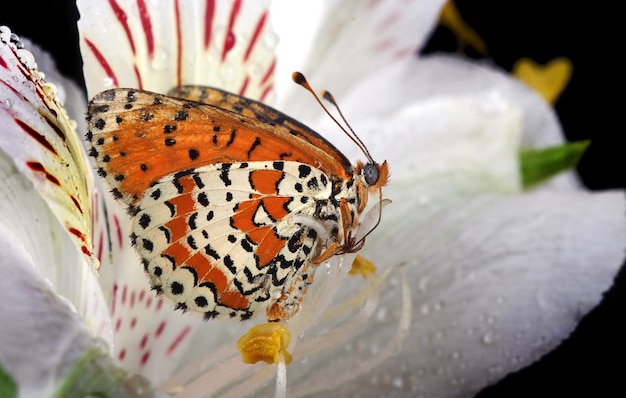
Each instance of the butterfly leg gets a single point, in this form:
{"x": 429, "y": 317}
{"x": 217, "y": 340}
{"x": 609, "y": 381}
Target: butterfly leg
{"x": 348, "y": 245}
{"x": 288, "y": 304}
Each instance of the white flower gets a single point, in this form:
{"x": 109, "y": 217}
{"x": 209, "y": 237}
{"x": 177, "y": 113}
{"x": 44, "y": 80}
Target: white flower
{"x": 496, "y": 275}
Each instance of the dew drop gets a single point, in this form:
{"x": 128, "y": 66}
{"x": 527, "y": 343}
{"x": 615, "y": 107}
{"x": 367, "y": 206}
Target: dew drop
{"x": 422, "y": 284}
{"x": 438, "y": 335}
{"x": 398, "y": 383}
{"x": 425, "y": 309}
{"x": 108, "y": 82}
{"x": 255, "y": 70}
{"x": 456, "y": 355}
{"x": 160, "y": 59}
{"x": 50, "y": 90}
{"x": 487, "y": 338}
{"x": 228, "y": 72}
{"x": 381, "y": 314}
{"x": 271, "y": 40}
{"x": 26, "y": 58}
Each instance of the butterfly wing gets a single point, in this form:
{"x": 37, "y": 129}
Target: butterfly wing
{"x": 218, "y": 197}
{"x": 222, "y": 240}
{"x": 138, "y": 137}
{"x": 259, "y": 111}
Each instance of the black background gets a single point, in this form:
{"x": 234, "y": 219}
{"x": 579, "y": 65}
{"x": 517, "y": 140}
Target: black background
{"x": 592, "y": 362}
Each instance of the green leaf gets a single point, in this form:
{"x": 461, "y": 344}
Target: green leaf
{"x": 539, "y": 165}
{"x": 8, "y": 388}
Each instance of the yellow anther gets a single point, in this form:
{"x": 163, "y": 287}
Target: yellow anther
{"x": 265, "y": 342}
{"x": 362, "y": 266}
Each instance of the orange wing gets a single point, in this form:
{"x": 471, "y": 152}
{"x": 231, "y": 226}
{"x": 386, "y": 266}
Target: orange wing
{"x": 261, "y": 112}
{"x": 138, "y": 137}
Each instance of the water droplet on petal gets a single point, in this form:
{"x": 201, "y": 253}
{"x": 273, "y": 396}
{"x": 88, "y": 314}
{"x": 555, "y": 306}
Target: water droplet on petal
{"x": 108, "y": 82}
{"x": 487, "y": 338}
{"x": 422, "y": 284}
{"x": 425, "y": 309}
{"x": 160, "y": 59}
{"x": 271, "y": 40}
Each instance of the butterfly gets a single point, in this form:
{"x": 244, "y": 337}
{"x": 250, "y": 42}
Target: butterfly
{"x": 232, "y": 203}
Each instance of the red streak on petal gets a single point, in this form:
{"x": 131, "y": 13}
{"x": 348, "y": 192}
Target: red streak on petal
{"x": 102, "y": 61}
{"x": 179, "y": 44}
{"x": 387, "y": 23}
{"x": 142, "y": 294}
{"x": 255, "y": 35}
{"x": 53, "y": 124}
{"x": 38, "y": 137}
{"x": 159, "y": 329}
{"x": 38, "y": 167}
{"x": 118, "y": 230}
{"x": 75, "y": 201}
{"x": 242, "y": 91}
{"x": 265, "y": 92}
{"x": 132, "y": 299}
{"x": 124, "y": 291}
{"x": 123, "y": 19}
{"x": 403, "y": 53}
{"x": 159, "y": 303}
{"x": 138, "y": 75}
{"x": 229, "y": 40}
{"x": 147, "y": 26}
{"x": 270, "y": 72}
{"x": 144, "y": 358}
{"x": 121, "y": 355}
{"x": 148, "y": 302}
{"x": 118, "y": 324}
{"x": 85, "y": 250}
{"x": 384, "y": 45}
{"x": 77, "y": 233}
{"x": 100, "y": 246}
{"x": 208, "y": 18}
{"x": 133, "y": 322}
{"x": 144, "y": 341}
{"x": 177, "y": 340}
{"x": 3, "y": 63}
{"x": 114, "y": 299}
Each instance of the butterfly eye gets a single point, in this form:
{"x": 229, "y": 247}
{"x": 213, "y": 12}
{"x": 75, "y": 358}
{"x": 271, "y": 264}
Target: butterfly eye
{"x": 370, "y": 173}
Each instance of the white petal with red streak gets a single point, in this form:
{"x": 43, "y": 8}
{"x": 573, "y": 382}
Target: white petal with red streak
{"x": 157, "y": 46}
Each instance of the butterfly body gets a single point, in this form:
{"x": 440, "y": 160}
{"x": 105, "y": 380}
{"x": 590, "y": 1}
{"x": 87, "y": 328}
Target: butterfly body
{"x": 232, "y": 203}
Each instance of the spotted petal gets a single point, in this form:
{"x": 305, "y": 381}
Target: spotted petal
{"x": 40, "y": 139}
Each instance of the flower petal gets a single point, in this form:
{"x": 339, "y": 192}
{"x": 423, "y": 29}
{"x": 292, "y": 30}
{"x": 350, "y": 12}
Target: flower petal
{"x": 387, "y": 111}
{"x": 499, "y": 281}
{"x": 159, "y": 45}
{"x": 354, "y": 39}
{"x": 42, "y": 337}
{"x": 39, "y": 137}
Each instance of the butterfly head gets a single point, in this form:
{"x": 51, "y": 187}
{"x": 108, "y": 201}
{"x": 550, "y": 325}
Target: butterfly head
{"x": 374, "y": 175}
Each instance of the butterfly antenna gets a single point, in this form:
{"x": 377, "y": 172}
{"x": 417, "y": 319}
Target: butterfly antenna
{"x": 299, "y": 78}
{"x": 329, "y": 97}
